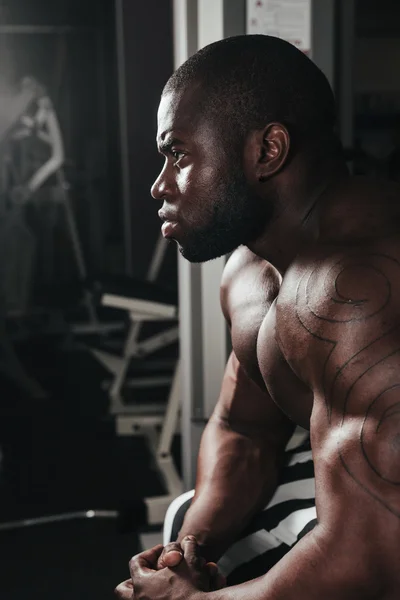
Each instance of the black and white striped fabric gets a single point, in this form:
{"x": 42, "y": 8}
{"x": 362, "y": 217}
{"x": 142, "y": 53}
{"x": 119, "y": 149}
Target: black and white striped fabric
{"x": 275, "y": 530}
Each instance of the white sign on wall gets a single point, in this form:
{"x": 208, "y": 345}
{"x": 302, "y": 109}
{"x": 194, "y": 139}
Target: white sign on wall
{"x": 289, "y": 20}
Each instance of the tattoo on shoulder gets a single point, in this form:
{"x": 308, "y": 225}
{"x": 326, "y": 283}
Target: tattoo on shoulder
{"x": 353, "y": 307}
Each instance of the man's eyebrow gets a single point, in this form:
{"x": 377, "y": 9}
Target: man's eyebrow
{"x": 166, "y": 145}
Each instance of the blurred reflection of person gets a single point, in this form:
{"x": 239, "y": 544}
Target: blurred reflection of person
{"x": 39, "y": 150}
{"x": 40, "y": 123}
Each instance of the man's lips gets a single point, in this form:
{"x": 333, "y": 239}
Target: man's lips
{"x": 169, "y": 225}
{"x": 168, "y": 228}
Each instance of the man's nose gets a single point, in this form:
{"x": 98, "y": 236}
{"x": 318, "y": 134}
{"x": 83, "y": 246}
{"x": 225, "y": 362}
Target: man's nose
{"x": 161, "y": 187}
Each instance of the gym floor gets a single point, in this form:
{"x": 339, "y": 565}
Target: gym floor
{"x": 62, "y": 455}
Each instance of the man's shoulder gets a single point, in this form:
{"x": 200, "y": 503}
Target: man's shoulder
{"x": 246, "y": 274}
{"x": 243, "y": 261}
{"x": 363, "y": 251}
{"x": 342, "y": 296}
{"x": 345, "y": 282}
{"x": 339, "y": 251}
{"x": 338, "y": 279}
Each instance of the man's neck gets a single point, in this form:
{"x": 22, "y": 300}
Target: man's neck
{"x": 297, "y": 222}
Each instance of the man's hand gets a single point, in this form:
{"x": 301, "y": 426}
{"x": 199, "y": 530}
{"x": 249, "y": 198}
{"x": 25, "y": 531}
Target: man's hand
{"x": 189, "y": 576}
{"x": 171, "y": 556}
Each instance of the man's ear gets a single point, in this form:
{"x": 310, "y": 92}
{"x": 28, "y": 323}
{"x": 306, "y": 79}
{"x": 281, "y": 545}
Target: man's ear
{"x": 267, "y": 151}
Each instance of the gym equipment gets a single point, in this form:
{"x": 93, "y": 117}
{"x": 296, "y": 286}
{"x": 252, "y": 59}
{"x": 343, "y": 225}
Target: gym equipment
{"x": 157, "y": 422}
{"x": 33, "y": 121}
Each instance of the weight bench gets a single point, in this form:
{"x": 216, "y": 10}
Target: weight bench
{"x": 145, "y": 302}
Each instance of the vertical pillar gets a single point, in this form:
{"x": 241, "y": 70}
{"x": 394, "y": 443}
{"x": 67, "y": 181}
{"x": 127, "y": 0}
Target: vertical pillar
{"x": 211, "y": 29}
{"x": 189, "y": 277}
{"x": 203, "y": 329}
{"x": 204, "y": 345}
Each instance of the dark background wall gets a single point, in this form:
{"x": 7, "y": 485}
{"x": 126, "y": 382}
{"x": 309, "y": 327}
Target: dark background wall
{"x": 149, "y": 63}
{"x": 79, "y": 70}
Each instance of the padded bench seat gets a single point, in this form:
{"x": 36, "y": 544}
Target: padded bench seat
{"x": 134, "y": 295}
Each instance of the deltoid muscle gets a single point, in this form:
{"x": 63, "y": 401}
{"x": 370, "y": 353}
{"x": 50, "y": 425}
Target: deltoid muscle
{"x": 345, "y": 305}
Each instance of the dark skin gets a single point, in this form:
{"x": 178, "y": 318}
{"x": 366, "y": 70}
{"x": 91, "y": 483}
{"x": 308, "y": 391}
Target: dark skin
{"x": 243, "y": 444}
{"x": 328, "y": 354}
{"x": 244, "y": 440}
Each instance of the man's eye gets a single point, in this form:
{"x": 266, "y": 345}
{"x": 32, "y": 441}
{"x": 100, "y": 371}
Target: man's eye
{"x": 176, "y": 154}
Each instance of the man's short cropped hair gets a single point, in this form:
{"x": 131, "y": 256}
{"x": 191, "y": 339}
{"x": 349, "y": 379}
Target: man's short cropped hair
{"x": 248, "y": 81}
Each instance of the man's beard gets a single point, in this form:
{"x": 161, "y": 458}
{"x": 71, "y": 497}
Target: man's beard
{"x": 238, "y": 217}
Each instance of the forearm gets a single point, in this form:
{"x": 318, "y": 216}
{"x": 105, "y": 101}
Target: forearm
{"x": 237, "y": 476}
{"x": 57, "y": 152}
{"x": 44, "y": 173}
{"x": 315, "y": 570}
